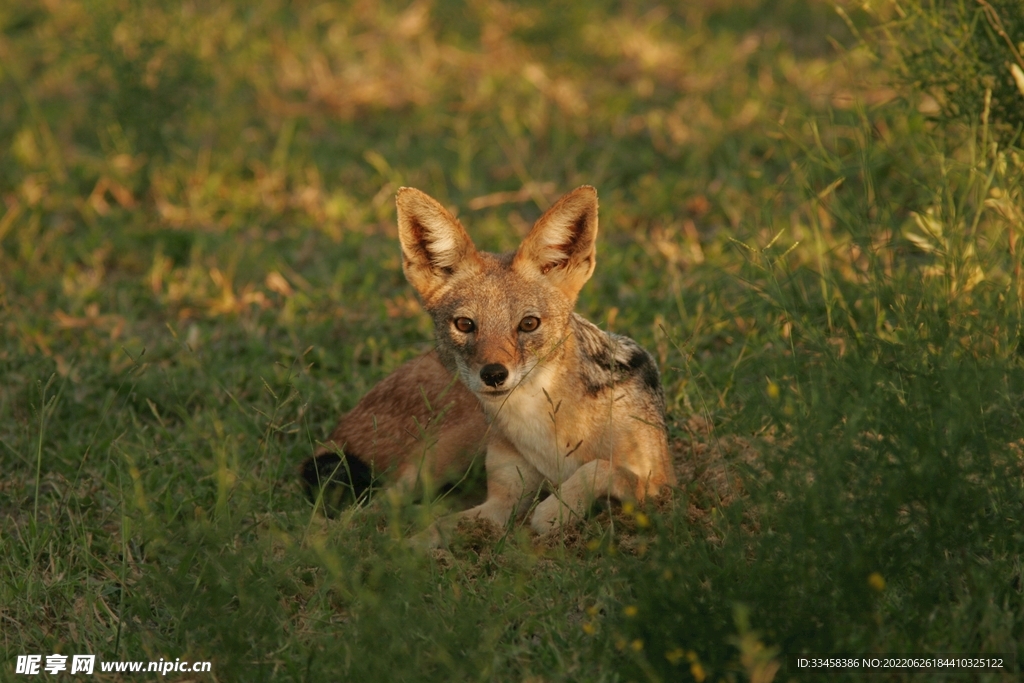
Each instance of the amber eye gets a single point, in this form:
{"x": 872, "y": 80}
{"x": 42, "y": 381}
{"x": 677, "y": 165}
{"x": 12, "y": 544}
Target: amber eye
{"x": 529, "y": 323}
{"x": 464, "y": 325}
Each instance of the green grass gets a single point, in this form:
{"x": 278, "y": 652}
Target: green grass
{"x": 199, "y": 273}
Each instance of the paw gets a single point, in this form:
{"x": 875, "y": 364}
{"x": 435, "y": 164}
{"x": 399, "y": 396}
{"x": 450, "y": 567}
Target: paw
{"x": 551, "y": 514}
{"x": 430, "y": 538}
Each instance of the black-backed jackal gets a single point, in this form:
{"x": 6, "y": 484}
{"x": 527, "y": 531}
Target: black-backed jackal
{"x": 550, "y": 396}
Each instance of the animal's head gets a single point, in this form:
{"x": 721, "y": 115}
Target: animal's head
{"x": 498, "y": 316}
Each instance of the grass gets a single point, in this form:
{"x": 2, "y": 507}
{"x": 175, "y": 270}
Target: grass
{"x": 199, "y": 273}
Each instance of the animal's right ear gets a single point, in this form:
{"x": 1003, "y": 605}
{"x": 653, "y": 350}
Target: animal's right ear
{"x": 434, "y": 243}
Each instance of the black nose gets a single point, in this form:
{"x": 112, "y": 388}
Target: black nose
{"x": 493, "y": 374}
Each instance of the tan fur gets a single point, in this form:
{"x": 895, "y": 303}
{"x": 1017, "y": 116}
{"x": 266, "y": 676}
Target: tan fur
{"x": 567, "y": 403}
{"x": 417, "y": 426}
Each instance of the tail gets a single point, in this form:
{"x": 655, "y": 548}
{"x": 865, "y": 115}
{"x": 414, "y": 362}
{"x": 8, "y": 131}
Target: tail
{"x": 337, "y": 479}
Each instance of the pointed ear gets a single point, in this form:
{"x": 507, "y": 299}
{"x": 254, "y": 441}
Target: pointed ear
{"x": 562, "y": 244}
{"x": 434, "y": 243}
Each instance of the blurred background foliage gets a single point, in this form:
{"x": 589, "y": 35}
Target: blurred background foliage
{"x": 959, "y": 51}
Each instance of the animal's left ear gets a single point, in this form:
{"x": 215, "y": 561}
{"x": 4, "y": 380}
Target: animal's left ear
{"x": 562, "y": 243}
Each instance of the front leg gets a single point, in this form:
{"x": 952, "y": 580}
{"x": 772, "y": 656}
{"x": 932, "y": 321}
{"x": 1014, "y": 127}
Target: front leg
{"x": 574, "y": 497}
{"x": 511, "y": 485}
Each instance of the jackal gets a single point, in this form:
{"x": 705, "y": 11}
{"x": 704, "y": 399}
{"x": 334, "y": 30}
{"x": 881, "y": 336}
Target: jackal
{"x": 556, "y": 399}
